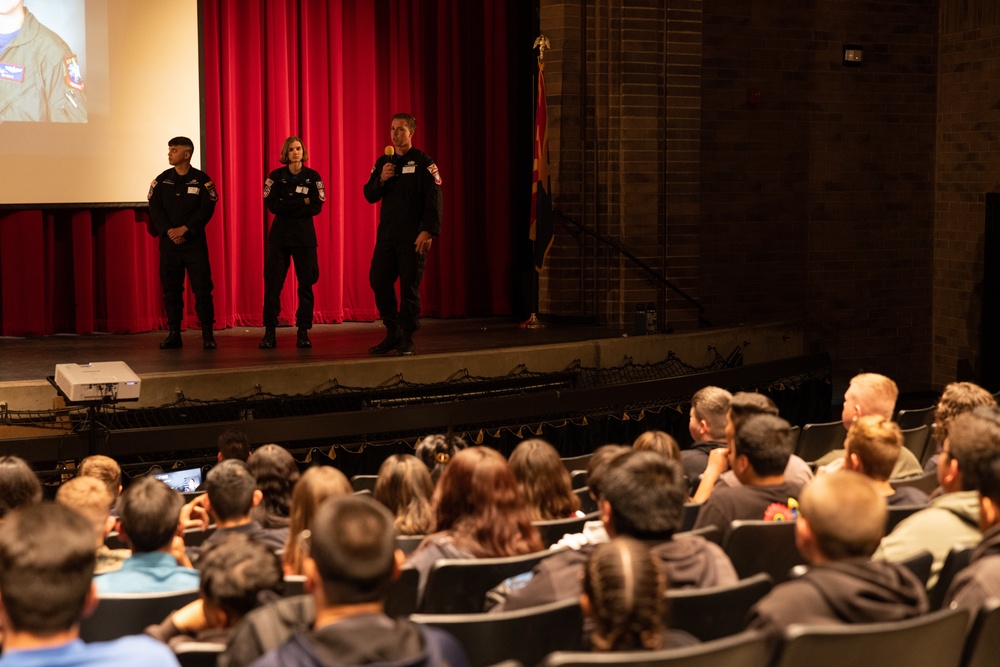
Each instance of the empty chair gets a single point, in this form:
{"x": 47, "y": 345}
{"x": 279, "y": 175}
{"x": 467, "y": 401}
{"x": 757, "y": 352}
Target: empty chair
{"x": 578, "y": 479}
{"x": 762, "y": 546}
{"x": 525, "y": 635}
{"x": 552, "y": 531}
{"x": 363, "y": 482}
{"x": 916, "y": 440}
{"x": 574, "y": 463}
{"x": 983, "y": 644}
{"x": 458, "y": 586}
{"x": 408, "y": 543}
{"x": 816, "y": 440}
{"x": 198, "y": 654}
{"x": 747, "y": 649}
{"x": 120, "y": 614}
{"x": 690, "y": 515}
{"x": 720, "y": 611}
{"x": 933, "y": 639}
{"x": 954, "y": 562}
{"x": 401, "y": 598}
{"x": 899, "y": 512}
{"x": 926, "y": 482}
{"x": 907, "y": 419}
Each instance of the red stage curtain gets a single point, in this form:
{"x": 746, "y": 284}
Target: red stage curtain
{"x": 332, "y": 72}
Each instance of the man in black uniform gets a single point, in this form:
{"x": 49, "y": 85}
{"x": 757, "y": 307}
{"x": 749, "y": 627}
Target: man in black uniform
{"x": 409, "y": 185}
{"x": 181, "y": 202}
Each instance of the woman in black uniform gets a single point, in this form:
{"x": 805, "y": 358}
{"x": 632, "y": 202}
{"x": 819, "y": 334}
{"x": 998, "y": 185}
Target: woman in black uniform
{"x": 294, "y": 194}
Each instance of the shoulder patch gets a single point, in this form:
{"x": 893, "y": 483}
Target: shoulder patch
{"x": 212, "y": 194}
{"x": 74, "y": 75}
{"x": 267, "y": 187}
{"x": 149, "y": 195}
{"x": 435, "y": 173}
{"x": 322, "y": 190}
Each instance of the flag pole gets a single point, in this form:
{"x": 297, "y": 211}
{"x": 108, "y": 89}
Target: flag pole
{"x": 533, "y": 322}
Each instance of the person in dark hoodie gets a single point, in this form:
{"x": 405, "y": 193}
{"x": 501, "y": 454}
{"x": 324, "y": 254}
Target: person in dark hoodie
{"x": 841, "y": 520}
{"x": 352, "y": 560}
{"x": 642, "y": 496}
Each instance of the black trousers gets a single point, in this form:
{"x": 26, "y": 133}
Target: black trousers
{"x": 192, "y": 257}
{"x": 306, "y": 272}
{"x": 397, "y": 260}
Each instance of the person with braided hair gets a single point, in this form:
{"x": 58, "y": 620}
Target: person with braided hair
{"x": 437, "y": 450}
{"x": 624, "y": 599}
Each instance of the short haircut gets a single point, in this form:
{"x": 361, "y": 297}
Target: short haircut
{"x": 287, "y": 145}
{"x": 183, "y": 142}
{"x": 767, "y": 443}
{"x": 234, "y": 444}
{"x": 957, "y": 398}
{"x": 88, "y": 496}
{"x": 235, "y": 571}
{"x": 19, "y": 484}
{"x": 149, "y": 511}
{"x": 353, "y": 545}
{"x": 712, "y": 404}
{"x": 845, "y": 513}
{"x": 989, "y": 481}
{"x": 411, "y": 122}
{"x": 230, "y": 488}
{"x": 598, "y": 464}
{"x": 103, "y": 468}
{"x": 646, "y": 492}
{"x": 659, "y": 442}
{"x": 746, "y": 404}
{"x": 877, "y": 442}
{"x": 47, "y": 560}
{"x": 974, "y": 443}
{"x": 878, "y": 393}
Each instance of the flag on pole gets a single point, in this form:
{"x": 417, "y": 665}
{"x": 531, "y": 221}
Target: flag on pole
{"x": 541, "y": 189}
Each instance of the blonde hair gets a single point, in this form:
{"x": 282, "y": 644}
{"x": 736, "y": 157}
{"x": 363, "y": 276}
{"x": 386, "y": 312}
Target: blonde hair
{"x": 90, "y": 497}
{"x": 878, "y": 393}
{"x": 103, "y": 468}
{"x": 314, "y": 486}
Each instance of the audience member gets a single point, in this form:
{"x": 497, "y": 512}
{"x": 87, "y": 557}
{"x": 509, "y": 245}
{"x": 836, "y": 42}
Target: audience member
{"x": 758, "y": 457}
{"x": 19, "y": 485}
{"x": 46, "y": 567}
{"x": 642, "y": 496}
{"x": 314, "y": 486}
{"x": 105, "y": 469}
{"x": 957, "y": 398}
{"x": 543, "y": 481}
{"x": 149, "y": 512}
{"x": 234, "y": 444}
{"x": 437, "y": 450}
{"x": 478, "y": 513}
{"x": 841, "y": 518}
{"x": 91, "y": 498}
{"x": 404, "y": 486}
{"x": 980, "y": 580}
{"x": 276, "y": 473}
{"x": 707, "y": 425}
{"x": 660, "y": 442}
{"x": 872, "y": 449}
{"x": 237, "y": 575}
{"x": 624, "y": 596}
{"x": 951, "y": 519}
{"x": 352, "y": 560}
{"x": 593, "y": 531}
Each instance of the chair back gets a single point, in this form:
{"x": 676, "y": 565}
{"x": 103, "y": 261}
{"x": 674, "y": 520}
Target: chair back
{"x": 920, "y": 565}
{"x": 983, "y": 643}
{"x": 587, "y": 503}
{"x": 916, "y": 440}
{"x": 932, "y": 639}
{"x": 363, "y": 482}
{"x": 710, "y": 533}
{"x": 576, "y": 462}
{"x": 295, "y": 584}
{"x": 816, "y": 440}
{"x": 747, "y": 649}
{"x": 115, "y": 540}
{"x": 907, "y": 419}
{"x": 552, "y": 531}
{"x": 198, "y": 654}
{"x": 899, "y": 512}
{"x": 120, "y": 614}
{"x": 459, "y": 586}
{"x": 578, "y": 479}
{"x": 954, "y": 562}
{"x": 690, "y": 516}
{"x": 401, "y": 599}
{"x": 762, "y": 546}
{"x": 720, "y": 611}
{"x": 408, "y": 543}
{"x": 195, "y": 537}
{"x": 525, "y": 635}
{"x": 926, "y": 482}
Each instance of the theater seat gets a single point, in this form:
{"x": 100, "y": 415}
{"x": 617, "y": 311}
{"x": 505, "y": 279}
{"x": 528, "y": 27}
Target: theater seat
{"x": 120, "y": 614}
{"x": 720, "y": 611}
{"x": 747, "y": 649}
{"x": 458, "y": 586}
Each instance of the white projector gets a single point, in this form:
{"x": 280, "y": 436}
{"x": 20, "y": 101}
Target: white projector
{"x": 105, "y": 380}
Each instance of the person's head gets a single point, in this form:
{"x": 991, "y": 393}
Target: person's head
{"x": 19, "y": 484}
{"x": 872, "y": 447}
{"x": 276, "y": 473}
{"x": 989, "y": 495}
{"x": 743, "y": 405}
{"x": 973, "y": 442}
{"x": 404, "y": 486}
{"x": 659, "y": 442}
{"x": 149, "y": 511}
{"x": 841, "y": 515}
{"x": 543, "y": 481}
{"x": 761, "y": 447}
{"x": 293, "y": 150}
{"x": 477, "y": 501}
{"x": 91, "y": 498}
{"x": 47, "y": 561}
{"x": 403, "y": 127}
{"x": 642, "y": 496}
{"x": 598, "y": 464}
{"x": 104, "y": 468}
{"x": 314, "y": 486}
{"x": 234, "y": 444}
{"x": 352, "y": 552}
{"x": 234, "y": 572}
{"x": 709, "y": 407}
{"x": 436, "y": 451}
{"x": 232, "y": 491}
{"x": 957, "y": 398}
{"x": 869, "y": 394}
{"x": 624, "y": 595}
{"x": 179, "y": 151}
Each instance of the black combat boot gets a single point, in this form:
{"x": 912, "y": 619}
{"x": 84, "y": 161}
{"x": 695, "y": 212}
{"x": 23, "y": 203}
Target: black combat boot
{"x": 388, "y": 344}
{"x": 172, "y": 341}
{"x": 302, "y": 340}
{"x": 405, "y": 346}
{"x": 208, "y": 339}
{"x": 269, "y": 341}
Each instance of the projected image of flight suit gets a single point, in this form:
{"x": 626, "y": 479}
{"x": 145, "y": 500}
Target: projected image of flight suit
{"x": 40, "y": 77}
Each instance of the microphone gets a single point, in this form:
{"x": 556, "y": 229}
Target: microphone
{"x": 390, "y": 151}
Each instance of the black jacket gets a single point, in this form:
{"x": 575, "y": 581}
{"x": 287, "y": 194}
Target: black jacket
{"x": 411, "y": 200}
{"x": 285, "y": 194}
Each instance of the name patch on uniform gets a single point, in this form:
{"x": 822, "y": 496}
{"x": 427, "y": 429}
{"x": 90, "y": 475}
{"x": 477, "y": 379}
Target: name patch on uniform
{"x": 301, "y": 190}
{"x": 322, "y": 190}
{"x": 267, "y": 187}
{"x": 74, "y": 75}
{"x": 212, "y": 194}
{"x": 435, "y": 173}
{"x": 11, "y": 72}
{"x": 193, "y": 189}
{"x": 410, "y": 169}
{"x": 149, "y": 195}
